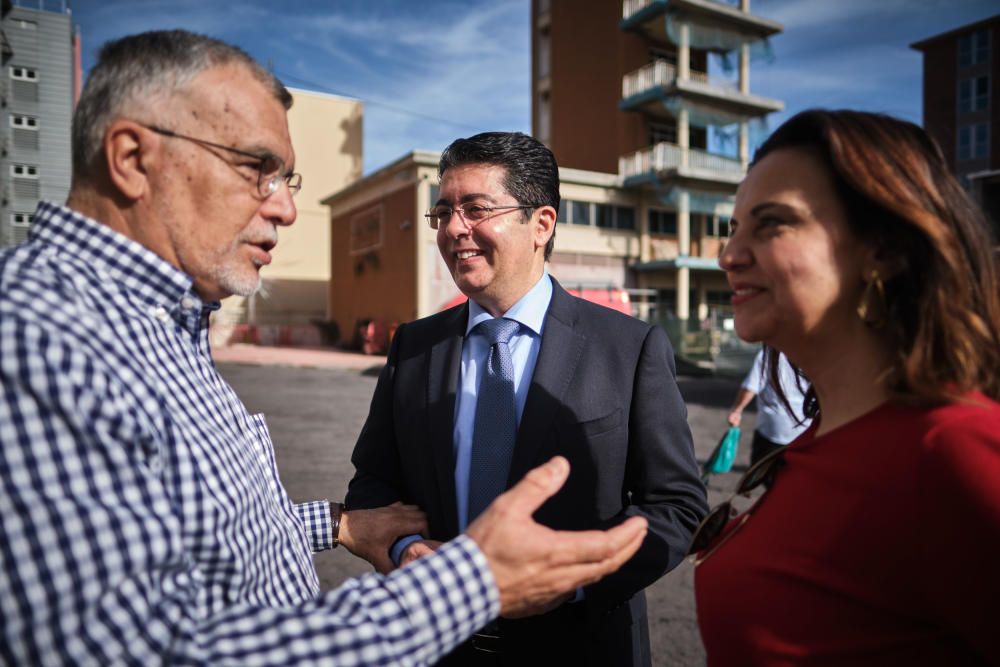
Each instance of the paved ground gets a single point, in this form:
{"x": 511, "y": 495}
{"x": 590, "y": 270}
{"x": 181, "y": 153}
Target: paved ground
{"x": 316, "y": 402}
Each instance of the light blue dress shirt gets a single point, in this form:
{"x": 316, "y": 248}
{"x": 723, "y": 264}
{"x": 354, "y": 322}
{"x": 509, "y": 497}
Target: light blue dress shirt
{"x": 529, "y": 312}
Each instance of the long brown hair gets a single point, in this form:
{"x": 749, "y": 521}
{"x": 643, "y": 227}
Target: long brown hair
{"x": 943, "y": 306}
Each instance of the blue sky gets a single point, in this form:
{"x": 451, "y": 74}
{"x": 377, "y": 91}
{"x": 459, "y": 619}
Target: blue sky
{"x": 433, "y": 70}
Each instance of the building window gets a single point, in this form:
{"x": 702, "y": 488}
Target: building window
{"x": 544, "y": 55}
{"x": 605, "y": 216}
{"x": 973, "y": 141}
{"x": 26, "y": 25}
{"x": 662, "y": 132}
{"x": 366, "y": 231}
{"x": 974, "y": 94}
{"x": 659, "y": 53}
{"x": 624, "y": 217}
{"x": 544, "y": 118}
{"x": 974, "y": 48}
{"x": 662, "y": 222}
{"x": 715, "y": 225}
{"x": 23, "y": 171}
{"x": 21, "y": 219}
{"x": 25, "y": 178}
{"x": 23, "y": 122}
{"x": 23, "y": 74}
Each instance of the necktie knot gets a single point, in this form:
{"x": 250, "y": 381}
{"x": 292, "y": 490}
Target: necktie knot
{"x": 498, "y": 330}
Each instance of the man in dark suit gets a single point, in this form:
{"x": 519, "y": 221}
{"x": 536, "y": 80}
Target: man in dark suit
{"x": 475, "y": 396}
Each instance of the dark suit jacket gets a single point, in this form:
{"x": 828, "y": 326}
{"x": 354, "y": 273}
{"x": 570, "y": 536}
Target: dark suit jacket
{"x": 603, "y": 395}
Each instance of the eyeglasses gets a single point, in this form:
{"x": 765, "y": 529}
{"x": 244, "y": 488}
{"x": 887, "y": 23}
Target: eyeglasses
{"x": 472, "y": 213}
{"x": 270, "y": 168}
{"x": 719, "y": 517}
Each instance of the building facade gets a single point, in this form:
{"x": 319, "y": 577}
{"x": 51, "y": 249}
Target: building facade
{"x": 385, "y": 264}
{"x": 643, "y": 107}
{"x": 622, "y": 95}
{"x": 326, "y": 133}
{"x": 961, "y": 102}
{"x": 40, "y": 57}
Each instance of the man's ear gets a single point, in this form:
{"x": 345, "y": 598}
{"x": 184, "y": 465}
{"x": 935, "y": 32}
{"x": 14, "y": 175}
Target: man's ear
{"x": 544, "y": 221}
{"x": 128, "y": 153}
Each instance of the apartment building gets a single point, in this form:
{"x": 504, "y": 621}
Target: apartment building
{"x": 623, "y": 87}
{"x": 38, "y": 87}
{"x": 961, "y": 103}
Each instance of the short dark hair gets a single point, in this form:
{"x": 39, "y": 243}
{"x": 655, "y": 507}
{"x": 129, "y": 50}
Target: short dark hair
{"x": 531, "y": 173}
{"x": 943, "y": 319}
{"x": 133, "y": 69}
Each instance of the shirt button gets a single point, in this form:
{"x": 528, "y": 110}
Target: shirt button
{"x": 155, "y": 466}
{"x": 187, "y": 303}
{"x": 161, "y": 313}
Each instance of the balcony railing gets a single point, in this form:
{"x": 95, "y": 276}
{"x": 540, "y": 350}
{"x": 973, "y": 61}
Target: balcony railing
{"x": 671, "y": 156}
{"x": 660, "y": 73}
{"x": 630, "y": 7}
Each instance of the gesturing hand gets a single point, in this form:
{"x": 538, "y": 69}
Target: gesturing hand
{"x": 536, "y": 567}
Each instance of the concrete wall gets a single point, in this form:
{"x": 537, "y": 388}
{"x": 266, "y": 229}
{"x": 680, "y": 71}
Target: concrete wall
{"x": 41, "y": 42}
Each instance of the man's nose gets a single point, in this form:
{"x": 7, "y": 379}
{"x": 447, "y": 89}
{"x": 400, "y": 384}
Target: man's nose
{"x": 279, "y": 208}
{"x": 457, "y": 225}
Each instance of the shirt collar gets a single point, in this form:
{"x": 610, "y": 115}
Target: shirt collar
{"x": 110, "y": 253}
{"x": 529, "y": 311}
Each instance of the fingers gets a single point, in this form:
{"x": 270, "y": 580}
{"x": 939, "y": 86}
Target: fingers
{"x": 537, "y": 486}
{"x": 417, "y": 550}
{"x": 595, "y": 546}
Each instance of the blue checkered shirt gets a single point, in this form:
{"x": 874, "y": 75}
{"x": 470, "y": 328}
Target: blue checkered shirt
{"x": 143, "y": 520}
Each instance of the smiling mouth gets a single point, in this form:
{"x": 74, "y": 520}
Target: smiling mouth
{"x": 468, "y": 254}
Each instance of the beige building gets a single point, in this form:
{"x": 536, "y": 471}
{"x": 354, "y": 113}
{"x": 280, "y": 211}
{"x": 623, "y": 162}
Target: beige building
{"x": 326, "y": 133}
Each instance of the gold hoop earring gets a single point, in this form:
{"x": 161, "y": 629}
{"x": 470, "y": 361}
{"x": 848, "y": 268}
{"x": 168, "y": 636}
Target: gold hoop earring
{"x": 873, "y": 308}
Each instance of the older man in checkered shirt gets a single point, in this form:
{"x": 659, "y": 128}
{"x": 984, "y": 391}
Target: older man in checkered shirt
{"x": 143, "y": 520}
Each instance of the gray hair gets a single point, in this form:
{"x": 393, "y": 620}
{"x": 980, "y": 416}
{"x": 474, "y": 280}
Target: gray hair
{"x": 138, "y": 68}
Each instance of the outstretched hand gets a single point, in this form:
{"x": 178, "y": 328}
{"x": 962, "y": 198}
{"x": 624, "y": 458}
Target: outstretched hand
{"x": 537, "y": 568}
{"x": 370, "y": 533}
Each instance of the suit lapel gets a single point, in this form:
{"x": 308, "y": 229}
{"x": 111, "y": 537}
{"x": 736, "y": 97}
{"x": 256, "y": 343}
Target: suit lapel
{"x": 444, "y": 366}
{"x": 562, "y": 347}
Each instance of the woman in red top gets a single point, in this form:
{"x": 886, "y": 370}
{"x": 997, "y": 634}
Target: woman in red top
{"x": 856, "y": 253}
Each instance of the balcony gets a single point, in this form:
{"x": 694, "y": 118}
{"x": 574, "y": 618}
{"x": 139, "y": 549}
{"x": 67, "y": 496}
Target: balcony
{"x": 655, "y": 89}
{"x": 665, "y": 161}
{"x": 653, "y": 17}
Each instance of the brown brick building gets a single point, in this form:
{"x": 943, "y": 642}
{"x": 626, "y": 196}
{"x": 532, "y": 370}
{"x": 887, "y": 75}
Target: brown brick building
{"x": 961, "y": 103}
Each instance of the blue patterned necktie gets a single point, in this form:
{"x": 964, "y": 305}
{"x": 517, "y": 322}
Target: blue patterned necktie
{"x": 496, "y": 419}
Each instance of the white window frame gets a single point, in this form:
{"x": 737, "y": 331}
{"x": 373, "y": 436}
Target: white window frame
{"x": 25, "y": 74}
{"x": 21, "y": 219}
{"x": 20, "y": 122}
{"x": 26, "y": 171}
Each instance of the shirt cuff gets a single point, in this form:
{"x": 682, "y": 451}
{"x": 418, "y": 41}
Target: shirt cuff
{"x": 396, "y": 552}
{"x": 315, "y": 516}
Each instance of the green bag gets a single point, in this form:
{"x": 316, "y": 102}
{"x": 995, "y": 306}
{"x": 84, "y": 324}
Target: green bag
{"x": 722, "y": 458}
